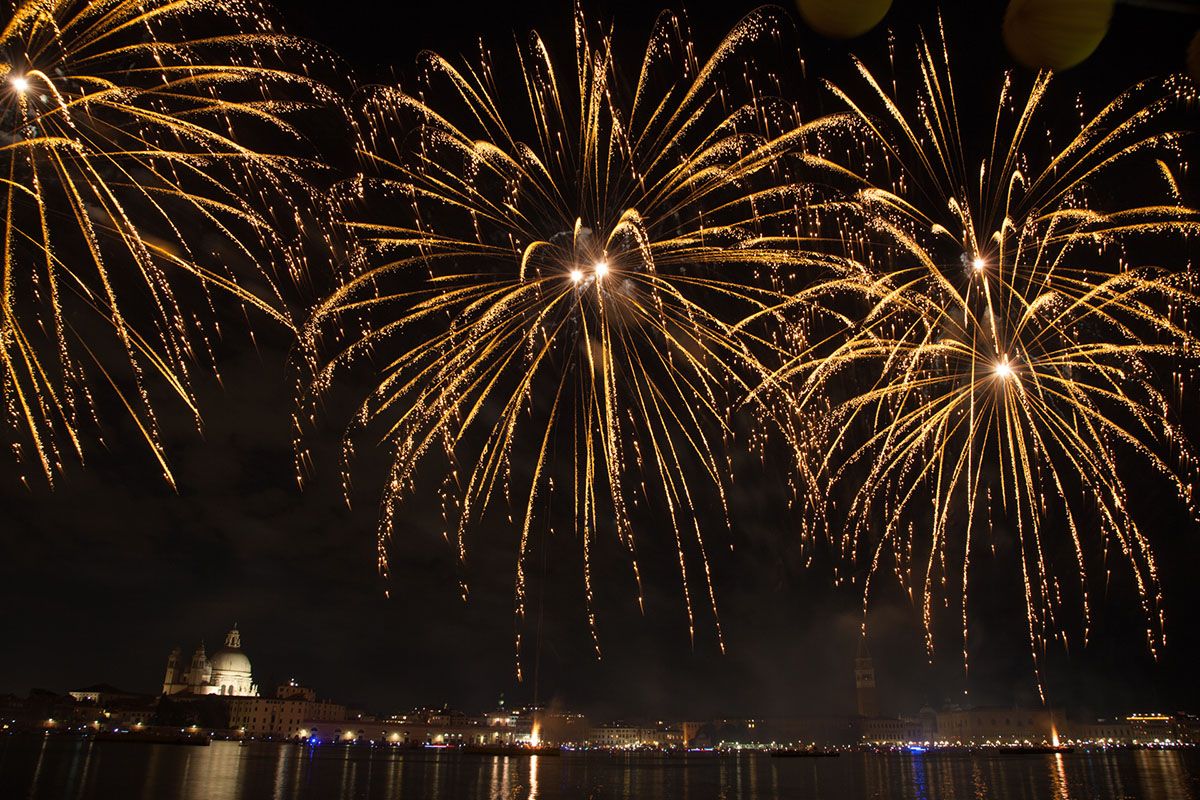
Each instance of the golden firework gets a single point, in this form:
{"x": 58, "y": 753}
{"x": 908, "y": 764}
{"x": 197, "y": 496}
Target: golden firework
{"x": 549, "y": 303}
{"x": 1012, "y": 358}
{"x": 129, "y": 173}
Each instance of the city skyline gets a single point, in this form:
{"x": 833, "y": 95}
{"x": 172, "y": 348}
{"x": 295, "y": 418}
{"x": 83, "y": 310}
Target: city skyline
{"x": 193, "y": 710}
{"x": 214, "y": 696}
{"x": 196, "y": 669}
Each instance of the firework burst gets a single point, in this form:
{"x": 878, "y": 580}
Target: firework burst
{"x": 128, "y": 173}
{"x": 553, "y": 304}
{"x": 1010, "y": 362}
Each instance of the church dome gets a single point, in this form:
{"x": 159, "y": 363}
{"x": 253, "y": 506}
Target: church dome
{"x": 227, "y": 660}
{"x": 230, "y": 660}
{"x": 226, "y": 672}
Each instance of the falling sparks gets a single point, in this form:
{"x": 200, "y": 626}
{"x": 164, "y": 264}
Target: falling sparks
{"x": 554, "y": 314}
{"x": 124, "y": 179}
{"x": 990, "y": 400}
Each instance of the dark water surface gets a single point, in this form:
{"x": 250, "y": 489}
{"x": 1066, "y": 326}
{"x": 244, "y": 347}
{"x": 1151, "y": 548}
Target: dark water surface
{"x": 32, "y": 768}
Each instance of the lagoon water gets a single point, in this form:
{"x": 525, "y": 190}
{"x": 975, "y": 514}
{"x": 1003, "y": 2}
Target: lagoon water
{"x": 53, "y": 767}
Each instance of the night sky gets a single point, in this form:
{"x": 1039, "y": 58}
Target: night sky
{"x": 104, "y": 574}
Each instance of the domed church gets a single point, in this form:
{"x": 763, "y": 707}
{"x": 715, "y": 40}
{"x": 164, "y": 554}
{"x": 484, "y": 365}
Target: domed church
{"x": 227, "y": 672}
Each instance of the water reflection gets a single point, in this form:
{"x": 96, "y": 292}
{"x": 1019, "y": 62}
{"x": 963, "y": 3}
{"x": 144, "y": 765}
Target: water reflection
{"x": 1060, "y": 778}
{"x": 40, "y": 768}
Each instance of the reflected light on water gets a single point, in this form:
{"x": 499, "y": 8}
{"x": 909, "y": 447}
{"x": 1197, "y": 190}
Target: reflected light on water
{"x": 50, "y": 768}
{"x": 281, "y": 763}
{"x": 502, "y": 778}
{"x": 216, "y": 772}
{"x": 1060, "y": 779}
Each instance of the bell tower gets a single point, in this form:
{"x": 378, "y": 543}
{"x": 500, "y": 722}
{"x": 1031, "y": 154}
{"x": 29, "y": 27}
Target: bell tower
{"x": 172, "y": 676}
{"x": 864, "y": 681}
{"x": 199, "y": 670}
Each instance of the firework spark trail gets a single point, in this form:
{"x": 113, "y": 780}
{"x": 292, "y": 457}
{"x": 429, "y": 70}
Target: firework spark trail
{"x": 1011, "y": 353}
{"x": 126, "y": 175}
{"x": 582, "y": 263}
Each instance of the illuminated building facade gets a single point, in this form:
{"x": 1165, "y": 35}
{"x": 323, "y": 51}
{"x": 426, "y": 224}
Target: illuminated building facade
{"x": 620, "y": 736}
{"x": 999, "y": 726}
{"x": 280, "y": 718}
{"x": 1155, "y": 728}
{"x": 899, "y": 730}
{"x": 226, "y": 673}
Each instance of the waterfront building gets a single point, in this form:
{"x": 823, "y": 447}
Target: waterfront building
{"x": 103, "y": 694}
{"x": 898, "y": 730}
{"x": 280, "y": 717}
{"x": 1156, "y": 728}
{"x": 624, "y": 736}
{"x": 669, "y": 735}
{"x": 226, "y": 673}
{"x": 1101, "y": 731}
{"x": 415, "y": 728}
{"x": 107, "y": 708}
{"x": 1000, "y": 726}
